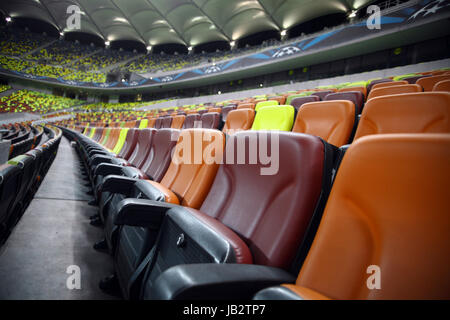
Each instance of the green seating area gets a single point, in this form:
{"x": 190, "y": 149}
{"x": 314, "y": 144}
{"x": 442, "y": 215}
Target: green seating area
{"x": 4, "y": 87}
{"x": 34, "y": 102}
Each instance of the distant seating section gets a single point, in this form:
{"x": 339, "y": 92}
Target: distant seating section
{"x": 35, "y": 102}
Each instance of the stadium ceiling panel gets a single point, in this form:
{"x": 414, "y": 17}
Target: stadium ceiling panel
{"x": 187, "y": 22}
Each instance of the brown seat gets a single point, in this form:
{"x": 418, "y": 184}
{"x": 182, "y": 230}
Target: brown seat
{"x": 388, "y": 90}
{"x": 429, "y": 82}
{"x": 422, "y": 112}
{"x": 322, "y": 94}
{"x": 238, "y": 120}
{"x": 386, "y": 216}
{"x": 333, "y": 121}
{"x": 354, "y": 96}
{"x": 299, "y": 101}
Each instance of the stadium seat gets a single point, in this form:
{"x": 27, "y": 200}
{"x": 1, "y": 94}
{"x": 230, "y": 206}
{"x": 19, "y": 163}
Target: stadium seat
{"x": 322, "y": 94}
{"x": 354, "y": 96}
{"x": 177, "y": 121}
{"x": 377, "y": 81}
{"x": 166, "y": 122}
{"x": 443, "y": 85}
{"x": 210, "y": 120}
{"x": 10, "y": 177}
{"x": 428, "y": 83}
{"x": 388, "y": 90}
{"x": 332, "y": 121}
{"x": 388, "y": 84}
{"x": 274, "y": 118}
{"x": 261, "y": 104}
{"x": 299, "y": 101}
{"x": 379, "y": 225}
{"x": 238, "y": 120}
{"x": 192, "y": 121}
{"x": 246, "y": 106}
{"x": 361, "y": 89}
{"x": 186, "y": 182}
{"x": 423, "y": 112}
{"x": 234, "y": 227}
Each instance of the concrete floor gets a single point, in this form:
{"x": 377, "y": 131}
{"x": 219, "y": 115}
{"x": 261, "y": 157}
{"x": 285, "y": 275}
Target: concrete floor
{"x": 53, "y": 234}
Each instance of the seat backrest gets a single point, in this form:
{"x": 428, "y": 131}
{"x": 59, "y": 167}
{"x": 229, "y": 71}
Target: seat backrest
{"x": 98, "y": 134}
{"x": 238, "y": 120}
{"x": 443, "y": 85}
{"x": 113, "y": 137}
{"x": 299, "y": 101}
{"x": 274, "y": 118}
{"x": 374, "y": 82}
{"x": 322, "y": 94}
{"x": 215, "y": 109}
{"x": 261, "y": 104}
{"x": 177, "y": 121}
{"x": 226, "y": 110}
{"x": 361, "y": 89}
{"x": 142, "y": 147}
{"x": 151, "y": 122}
{"x": 428, "y": 83}
{"x": 27, "y": 165}
{"x": 354, "y": 96}
{"x": 191, "y": 120}
{"x": 413, "y": 79}
{"x": 388, "y": 213}
{"x": 280, "y": 99}
{"x": 159, "y": 156}
{"x": 265, "y": 209}
{"x": 210, "y": 120}
{"x": 10, "y": 176}
{"x": 121, "y": 140}
{"x": 143, "y": 124}
{"x": 423, "y": 112}
{"x": 158, "y": 122}
{"x": 190, "y": 174}
{"x": 333, "y": 121}
{"x": 129, "y": 144}
{"x": 246, "y": 106}
{"x": 388, "y": 84}
{"x": 166, "y": 122}
{"x": 384, "y": 91}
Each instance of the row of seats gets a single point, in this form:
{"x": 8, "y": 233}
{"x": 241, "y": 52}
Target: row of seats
{"x": 200, "y": 229}
{"x": 20, "y": 178}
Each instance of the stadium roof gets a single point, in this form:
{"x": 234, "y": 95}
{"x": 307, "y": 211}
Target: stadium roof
{"x": 185, "y": 22}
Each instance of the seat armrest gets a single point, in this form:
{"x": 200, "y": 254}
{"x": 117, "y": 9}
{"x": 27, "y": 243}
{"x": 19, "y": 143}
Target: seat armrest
{"x": 104, "y": 169}
{"x": 99, "y": 158}
{"x": 117, "y": 184}
{"x": 141, "y": 212}
{"x": 212, "y": 281}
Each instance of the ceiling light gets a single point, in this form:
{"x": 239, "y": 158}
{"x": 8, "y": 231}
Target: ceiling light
{"x": 8, "y": 19}
{"x": 107, "y": 43}
{"x": 190, "y": 48}
{"x": 352, "y": 14}
{"x": 232, "y": 43}
{"x": 61, "y": 34}
{"x": 219, "y": 92}
{"x": 149, "y": 48}
{"x": 283, "y": 32}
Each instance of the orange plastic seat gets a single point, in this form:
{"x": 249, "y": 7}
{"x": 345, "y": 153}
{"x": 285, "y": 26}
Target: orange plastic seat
{"x": 333, "y": 121}
{"x": 388, "y": 90}
{"x": 386, "y": 219}
{"x": 422, "y": 112}
{"x": 443, "y": 85}
{"x": 429, "y": 82}
{"x": 238, "y": 120}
